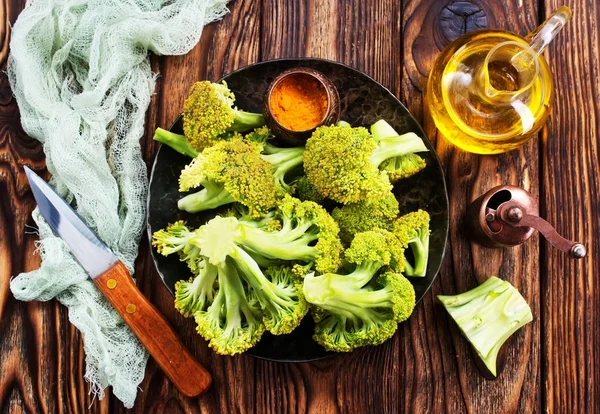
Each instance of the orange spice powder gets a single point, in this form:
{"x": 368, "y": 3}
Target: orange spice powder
{"x": 299, "y": 102}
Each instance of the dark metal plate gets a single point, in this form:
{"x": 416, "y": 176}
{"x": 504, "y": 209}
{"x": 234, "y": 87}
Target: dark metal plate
{"x": 363, "y": 101}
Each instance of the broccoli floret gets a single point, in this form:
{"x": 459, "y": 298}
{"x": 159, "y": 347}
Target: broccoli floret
{"x": 488, "y": 315}
{"x": 197, "y": 293}
{"x": 412, "y": 230}
{"x": 395, "y": 153}
{"x": 337, "y": 161}
{"x": 305, "y": 191}
{"x": 177, "y": 238}
{"x": 282, "y": 304}
{"x": 176, "y": 141}
{"x": 209, "y": 112}
{"x": 365, "y": 215}
{"x": 360, "y": 308}
{"x": 233, "y": 322}
{"x": 307, "y": 234}
{"x": 229, "y": 171}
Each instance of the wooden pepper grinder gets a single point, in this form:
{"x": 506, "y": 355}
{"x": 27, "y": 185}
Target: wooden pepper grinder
{"x": 507, "y": 216}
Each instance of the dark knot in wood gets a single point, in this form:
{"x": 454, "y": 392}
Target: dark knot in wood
{"x": 461, "y": 17}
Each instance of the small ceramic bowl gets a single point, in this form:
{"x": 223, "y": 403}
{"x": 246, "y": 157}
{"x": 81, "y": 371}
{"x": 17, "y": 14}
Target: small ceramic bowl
{"x": 331, "y": 115}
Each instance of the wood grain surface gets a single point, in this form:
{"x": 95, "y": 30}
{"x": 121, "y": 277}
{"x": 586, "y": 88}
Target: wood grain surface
{"x": 553, "y": 363}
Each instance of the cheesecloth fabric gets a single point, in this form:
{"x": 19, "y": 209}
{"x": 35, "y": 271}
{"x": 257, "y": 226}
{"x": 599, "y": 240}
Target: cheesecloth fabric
{"x": 82, "y": 79}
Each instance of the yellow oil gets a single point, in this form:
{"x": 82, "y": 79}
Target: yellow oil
{"x": 487, "y": 120}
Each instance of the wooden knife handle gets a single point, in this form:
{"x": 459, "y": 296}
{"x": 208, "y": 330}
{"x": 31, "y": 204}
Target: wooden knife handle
{"x": 153, "y": 331}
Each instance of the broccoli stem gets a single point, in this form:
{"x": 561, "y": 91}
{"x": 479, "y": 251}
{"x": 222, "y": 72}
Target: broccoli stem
{"x": 246, "y": 121}
{"x": 420, "y": 251}
{"x": 286, "y": 244}
{"x": 397, "y": 146}
{"x": 488, "y": 315}
{"x": 381, "y": 129}
{"x": 204, "y": 199}
{"x": 257, "y": 280}
{"x": 176, "y": 141}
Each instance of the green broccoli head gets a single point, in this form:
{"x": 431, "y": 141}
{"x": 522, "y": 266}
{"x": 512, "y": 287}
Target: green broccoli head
{"x": 365, "y": 215}
{"x": 337, "y": 161}
{"x": 307, "y": 234}
{"x": 209, "y": 112}
{"x": 374, "y": 249}
{"x": 349, "y": 316}
{"x": 412, "y": 230}
{"x": 233, "y": 322}
{"x": 197, "y": 293}
{"x": 488, "y": 315}
{"x": 396, "y": 154}
{"x": 229, "y": 171}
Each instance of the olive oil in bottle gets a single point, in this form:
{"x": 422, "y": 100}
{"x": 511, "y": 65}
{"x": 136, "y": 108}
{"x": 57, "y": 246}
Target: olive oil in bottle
{"x": 491, "y": 91}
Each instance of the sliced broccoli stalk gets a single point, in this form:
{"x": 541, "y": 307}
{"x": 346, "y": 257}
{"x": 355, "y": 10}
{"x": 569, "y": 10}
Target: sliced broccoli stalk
{"x": 176, "y": 141}
{"x": 412, "y": 230}
{"x": 344, "y": 124}
{"x": 233, "y": 323}
{"x": 395, "y": 153}
{"x": 487, "y": 316}
{"x": 197, "y": 293}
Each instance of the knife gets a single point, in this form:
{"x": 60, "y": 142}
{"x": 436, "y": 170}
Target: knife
{"x": 112, "y": 279}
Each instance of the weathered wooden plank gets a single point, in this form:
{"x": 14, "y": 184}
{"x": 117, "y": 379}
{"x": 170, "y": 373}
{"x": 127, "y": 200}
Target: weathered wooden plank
{"x": 224, "y": 46}
{"x": 441, "y": 357}
{"x": 571, "y": 202}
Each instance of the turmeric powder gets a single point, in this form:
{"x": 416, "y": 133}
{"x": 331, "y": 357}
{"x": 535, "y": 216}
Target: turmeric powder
{"x": 299, "y": 102}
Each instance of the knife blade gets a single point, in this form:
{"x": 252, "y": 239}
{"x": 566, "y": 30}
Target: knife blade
{"x": 113, "y": 279}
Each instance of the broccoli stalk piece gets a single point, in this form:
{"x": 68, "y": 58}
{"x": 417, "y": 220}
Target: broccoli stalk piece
{"x": 362, "y": 307}
{"x": 209, "y": 112}
{"x": 396, "y": 154}
{"x": 366, "y": 215}
{"x": 176, "y": 141}
{"x": 229, "y": 171}
{"x": 487, "y": 316}
{"x": 412, "y": 230}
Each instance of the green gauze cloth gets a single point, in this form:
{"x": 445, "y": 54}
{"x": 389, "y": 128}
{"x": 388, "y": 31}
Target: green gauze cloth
{"x": 82, "y": 79}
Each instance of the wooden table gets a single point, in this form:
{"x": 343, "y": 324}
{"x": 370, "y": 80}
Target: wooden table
{"x": 553, "y": 363}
